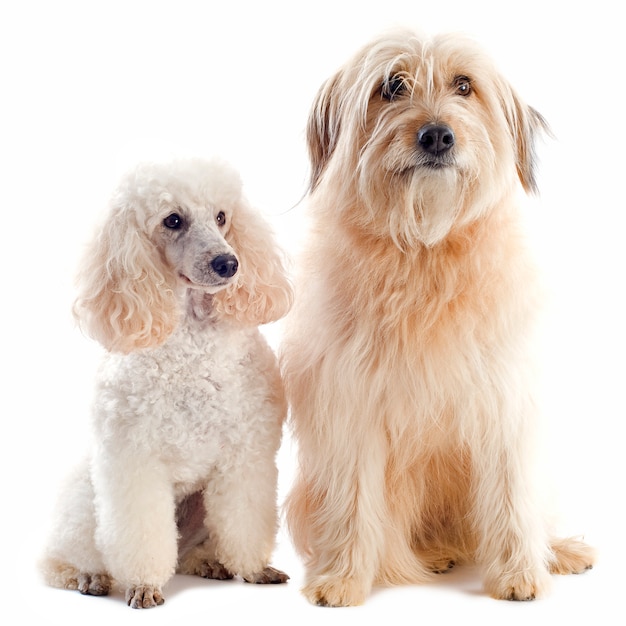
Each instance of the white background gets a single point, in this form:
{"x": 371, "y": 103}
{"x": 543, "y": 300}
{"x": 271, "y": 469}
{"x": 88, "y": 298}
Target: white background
{"x": 88, "y": 87}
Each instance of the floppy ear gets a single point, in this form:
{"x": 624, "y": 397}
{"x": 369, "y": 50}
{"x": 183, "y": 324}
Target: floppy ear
{"x": 323, "y": 127}
{"x": 262, "y": 292}
{"x": 525, "y": 124}
{"x": 125, "y": 299}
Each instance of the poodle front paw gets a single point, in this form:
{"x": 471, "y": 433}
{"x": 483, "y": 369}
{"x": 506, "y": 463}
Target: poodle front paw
{"x": 214, "y": 570}
{"x": 269, "y": 575}
{"x": 144, "y": 597}
{"x": 93, "y": 584}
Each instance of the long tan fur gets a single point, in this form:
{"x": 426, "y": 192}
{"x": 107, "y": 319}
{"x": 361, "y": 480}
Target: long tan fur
{"x": 405, "y": 356}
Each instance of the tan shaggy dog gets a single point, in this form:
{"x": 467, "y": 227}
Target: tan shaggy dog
{"x": 406, "y": 355}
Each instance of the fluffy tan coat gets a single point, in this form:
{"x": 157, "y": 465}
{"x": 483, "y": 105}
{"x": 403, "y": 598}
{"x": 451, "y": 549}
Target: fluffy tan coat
{"x": 405, "y": 357}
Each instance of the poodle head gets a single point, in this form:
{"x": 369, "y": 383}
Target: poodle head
{"x": 171, "y": 228}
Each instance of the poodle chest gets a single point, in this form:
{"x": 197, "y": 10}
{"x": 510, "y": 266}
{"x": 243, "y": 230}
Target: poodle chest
{"x": 201, "y": 400}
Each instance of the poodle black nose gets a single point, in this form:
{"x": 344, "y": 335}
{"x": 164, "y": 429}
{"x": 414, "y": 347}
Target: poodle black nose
{"x": 225, "y": 265}
{"x": 435, "y": 138}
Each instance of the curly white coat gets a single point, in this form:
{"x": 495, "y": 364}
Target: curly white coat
{"x": 189, "y": 404}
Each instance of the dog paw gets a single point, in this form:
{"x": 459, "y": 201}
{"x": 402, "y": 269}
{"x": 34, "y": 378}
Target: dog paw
{"x": 571, "y": 556}
{"x": 144, "y": 597}
{"x": 336, "y": 592}
{"x": 269, "y": 575}
{"x": 521, "y": 586}
{"x": 214, "y": 570}
{"x": 93, "y": 584}
{"x": 441, "y": 567}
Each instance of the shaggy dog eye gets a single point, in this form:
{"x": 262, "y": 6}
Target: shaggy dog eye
{"x": 221, "y": 218}
{"x": 463, "y": 85}
{"x": 393, "y": 87}
{"x": 173, "y": 221}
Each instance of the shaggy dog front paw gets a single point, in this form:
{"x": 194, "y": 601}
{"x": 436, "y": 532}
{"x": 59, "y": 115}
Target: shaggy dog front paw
{"x": 520, "y": 586}
{"x": 336, "y": 591}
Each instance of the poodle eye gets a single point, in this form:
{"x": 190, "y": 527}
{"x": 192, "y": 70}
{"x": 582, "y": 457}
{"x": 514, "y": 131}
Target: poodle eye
{"x": 221, "y": 218}
{"x": 463, "y": 86}
{"x": 173, "y": 221}
{"x": 393, "y": 87}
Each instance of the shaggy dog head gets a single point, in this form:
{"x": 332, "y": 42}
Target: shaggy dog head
{"x": 422, "y": 135}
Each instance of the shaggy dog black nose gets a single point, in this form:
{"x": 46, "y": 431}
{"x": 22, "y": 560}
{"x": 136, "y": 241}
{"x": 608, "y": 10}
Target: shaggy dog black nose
{"x": 435, "y": 138}
{"x": 225, "y": 265}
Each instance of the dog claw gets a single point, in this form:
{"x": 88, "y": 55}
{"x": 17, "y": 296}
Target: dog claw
{"x": 270, "y": 575}
{"x": 94, "y": 584}
{"x": 445, "y": 568}
{"x": 513, "y": 597}
{"x": 144, "y": 597}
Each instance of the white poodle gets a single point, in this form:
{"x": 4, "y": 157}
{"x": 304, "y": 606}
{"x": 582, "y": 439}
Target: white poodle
{"x": 189, "y": 403}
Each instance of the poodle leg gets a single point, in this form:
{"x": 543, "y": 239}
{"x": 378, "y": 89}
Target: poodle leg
{"x": 136, "y": 525}
{"x": 242, "y": 520}
{"x": 202, "y": 561}
{"x": 196, "y": 549}
{"x": 513, "y": 543}
{"x": 71, "y": 559}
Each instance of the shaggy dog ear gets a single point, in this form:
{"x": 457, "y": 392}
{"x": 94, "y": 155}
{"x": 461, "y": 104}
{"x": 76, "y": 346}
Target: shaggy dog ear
{"x": 125, "y": 298}
{"x": 323, "y": 127}
{"x": 525, "y": 124}
{"x": 262, "y": 292}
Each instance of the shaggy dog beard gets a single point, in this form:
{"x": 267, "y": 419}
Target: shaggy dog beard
{"x": 427, "y": 212}
{"x": 421, "y": 207}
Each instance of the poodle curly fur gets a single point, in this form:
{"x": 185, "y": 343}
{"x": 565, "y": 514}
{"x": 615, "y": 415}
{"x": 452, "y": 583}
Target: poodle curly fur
{"x": 189, "y": 403}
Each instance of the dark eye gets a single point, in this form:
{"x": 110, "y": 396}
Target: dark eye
{"x": 393, "y": 87}
{"x": 173, "y": 221}
{"x": 220, "y": 218}
{"x": 463, "y": 85}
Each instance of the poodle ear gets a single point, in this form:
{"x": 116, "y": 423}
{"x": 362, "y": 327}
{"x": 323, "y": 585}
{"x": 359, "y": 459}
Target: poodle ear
{"x": 525, "y": 125}
{"x": 323, "y": 127}
{"x": 125, "y": 298}
{"x": 262, "y": 292}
